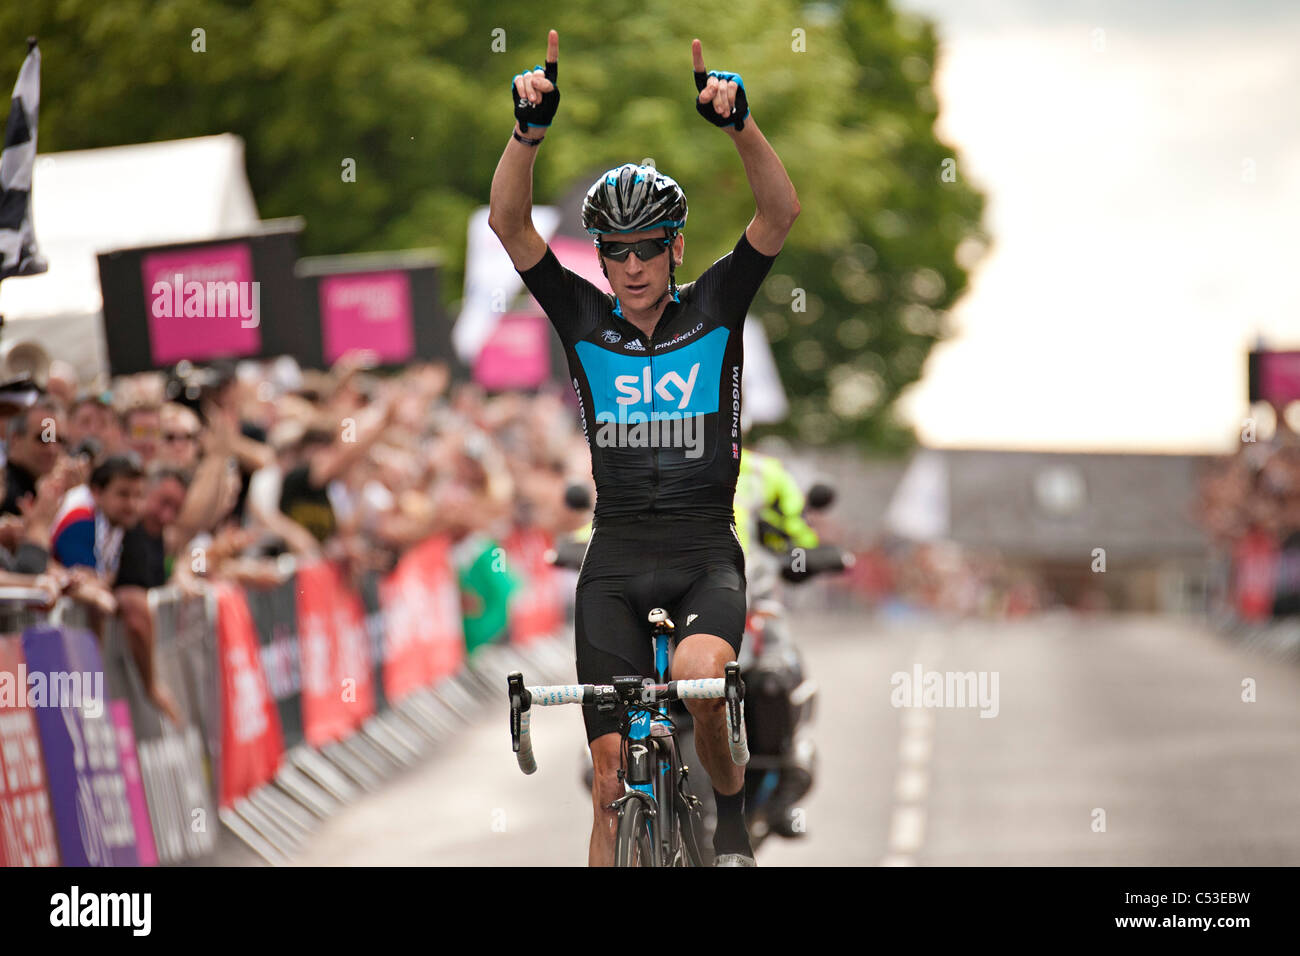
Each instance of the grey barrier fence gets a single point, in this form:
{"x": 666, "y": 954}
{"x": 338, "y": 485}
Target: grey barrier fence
{"x": 180, "y": 765}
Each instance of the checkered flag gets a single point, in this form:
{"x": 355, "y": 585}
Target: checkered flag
{"x": 18, "y": 253}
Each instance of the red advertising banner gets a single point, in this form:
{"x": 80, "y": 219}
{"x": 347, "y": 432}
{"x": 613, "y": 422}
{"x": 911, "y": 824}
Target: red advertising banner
{"x": 1255, "y": 563}
{"x": 537, "y": 608}
{"x": 367, "y": 310}
{"x": 337, "y": 690}
{"x": 202, "y": 303}
{"x": 26, "y": 822}
{"x": 251, "y": 741}
{"x": 423, "y": 639}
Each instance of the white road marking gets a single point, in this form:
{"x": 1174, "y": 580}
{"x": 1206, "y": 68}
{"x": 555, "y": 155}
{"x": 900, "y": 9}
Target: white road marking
{"x": 912, "y": 786}
{"x": 915, "y": 745}
{"x": 907, "y": 830}
{"x": 914, "y": 750}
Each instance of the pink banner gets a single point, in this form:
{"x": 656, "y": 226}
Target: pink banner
{"x": 1279, "y": 377}
{"x": 202, "y": 303}
{"x": 516, "y": 355}
{"x": 119, "y": 711}
{"x": 369, "y": 310}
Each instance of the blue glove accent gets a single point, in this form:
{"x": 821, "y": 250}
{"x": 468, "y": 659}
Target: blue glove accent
{"x": 740, "y": 109}
{"x": 537, "y": 114}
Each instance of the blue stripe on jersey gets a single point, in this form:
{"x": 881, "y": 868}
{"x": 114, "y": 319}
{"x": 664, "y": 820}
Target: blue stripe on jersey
{"x": 633, "y": 388}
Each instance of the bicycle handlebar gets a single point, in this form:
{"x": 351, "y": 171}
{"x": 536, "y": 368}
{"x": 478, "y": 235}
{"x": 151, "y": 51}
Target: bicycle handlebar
{"x": 522, "y": 699}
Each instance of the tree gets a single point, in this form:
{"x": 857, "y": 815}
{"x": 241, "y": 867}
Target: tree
{"x": 414, "y": 92}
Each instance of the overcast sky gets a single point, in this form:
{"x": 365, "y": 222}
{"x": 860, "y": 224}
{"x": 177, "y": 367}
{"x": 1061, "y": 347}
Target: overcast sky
{"x": 1144, "y": 200}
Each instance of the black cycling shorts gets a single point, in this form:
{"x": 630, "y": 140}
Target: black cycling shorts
{"x": 693, "y": 569}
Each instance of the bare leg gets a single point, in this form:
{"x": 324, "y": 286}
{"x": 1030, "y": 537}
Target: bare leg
{"x": 700, "y": 657}
{"x": 605, "y": 789}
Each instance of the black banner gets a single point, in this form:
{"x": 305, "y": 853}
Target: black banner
{"x": 388, "y": 303}
{"x": 223, "y": 298}
{"x": 275, "y": 616}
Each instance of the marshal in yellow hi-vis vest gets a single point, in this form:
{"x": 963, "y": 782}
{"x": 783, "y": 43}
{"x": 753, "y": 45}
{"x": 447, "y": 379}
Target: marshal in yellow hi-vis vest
{"x": 769, "y": 506}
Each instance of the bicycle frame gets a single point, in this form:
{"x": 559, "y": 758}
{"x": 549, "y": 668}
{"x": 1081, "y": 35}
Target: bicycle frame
{"x": 650, "y": 766}
{"x": 652, "y": 769}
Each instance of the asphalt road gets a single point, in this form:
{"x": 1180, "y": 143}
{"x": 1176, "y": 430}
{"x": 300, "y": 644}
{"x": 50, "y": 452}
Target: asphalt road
{"x": 1116, "y": 741}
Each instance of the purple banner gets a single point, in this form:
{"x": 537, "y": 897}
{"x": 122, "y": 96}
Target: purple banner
{"x": 369, "y": 310}
{"x": 92, "y": 813}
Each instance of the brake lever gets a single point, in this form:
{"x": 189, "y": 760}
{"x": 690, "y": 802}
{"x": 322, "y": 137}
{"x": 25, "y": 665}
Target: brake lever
{"x": 734, "y": 689}
{"x": 520, "y": 701}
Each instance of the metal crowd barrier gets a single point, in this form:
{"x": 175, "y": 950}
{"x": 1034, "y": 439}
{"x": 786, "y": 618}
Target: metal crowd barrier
{"x": 179, "y": 767}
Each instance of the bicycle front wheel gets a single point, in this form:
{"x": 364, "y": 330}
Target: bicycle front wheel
{"x": 633, "y": 846}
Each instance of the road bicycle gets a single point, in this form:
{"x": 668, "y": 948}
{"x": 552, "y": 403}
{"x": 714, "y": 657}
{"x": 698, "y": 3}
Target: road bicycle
{"x": 658, "y": 815}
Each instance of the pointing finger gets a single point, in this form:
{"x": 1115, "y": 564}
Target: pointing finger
{"x": 552, "y": 56}
{"x": 697, "y": 56}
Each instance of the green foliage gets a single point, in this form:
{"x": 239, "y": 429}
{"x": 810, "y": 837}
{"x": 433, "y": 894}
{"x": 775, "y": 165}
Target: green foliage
{"x": 414, "y": 92}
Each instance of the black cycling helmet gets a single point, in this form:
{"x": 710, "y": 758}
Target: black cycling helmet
{"x": 632, "y": 198}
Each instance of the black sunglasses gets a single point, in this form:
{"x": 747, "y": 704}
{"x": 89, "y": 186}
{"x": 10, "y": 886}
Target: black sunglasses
{"x": 645, "y": 250}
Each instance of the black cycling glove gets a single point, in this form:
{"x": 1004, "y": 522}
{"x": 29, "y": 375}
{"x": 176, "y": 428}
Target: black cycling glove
{"x": 740, "y": 110}
{"x": 536, "y": 114}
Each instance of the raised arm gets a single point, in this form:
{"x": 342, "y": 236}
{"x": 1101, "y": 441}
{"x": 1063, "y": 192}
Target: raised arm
{"x": 510, "y": 213}
{"x": 722, "y": 101}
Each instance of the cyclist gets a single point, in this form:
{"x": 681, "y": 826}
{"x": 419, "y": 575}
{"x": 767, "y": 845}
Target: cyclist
{"x": 657, "y": 369}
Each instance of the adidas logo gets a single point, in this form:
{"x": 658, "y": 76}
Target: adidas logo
{"x": 689, "y": 618}
{"x": 634, "y": 345}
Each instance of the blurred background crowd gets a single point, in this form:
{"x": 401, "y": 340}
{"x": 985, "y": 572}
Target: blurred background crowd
{"x": 215, "y": 472}
{"x": 1249, "y": 506}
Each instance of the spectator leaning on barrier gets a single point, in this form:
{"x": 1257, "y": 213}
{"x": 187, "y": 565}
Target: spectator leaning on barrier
{"x": 143, "y": 565}
{"x": 32, "y": 451}
{"x": 145, "y": 556}
{"x": 26, "y": 537}
{"x": 94, "y": 518}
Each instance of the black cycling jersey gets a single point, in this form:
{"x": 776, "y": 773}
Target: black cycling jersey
{"x": 661, "y": 416}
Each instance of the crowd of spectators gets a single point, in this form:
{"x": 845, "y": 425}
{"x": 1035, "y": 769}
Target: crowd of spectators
{"x": 1255, "y": 489}
{"x": 1249, "y": 505}
{"x": 205, "y": 473}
